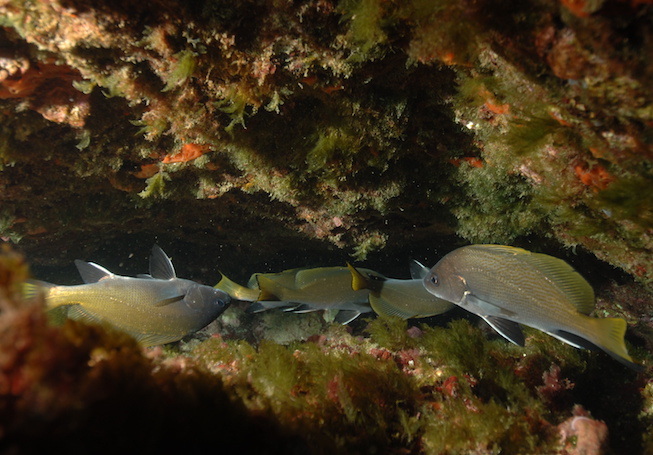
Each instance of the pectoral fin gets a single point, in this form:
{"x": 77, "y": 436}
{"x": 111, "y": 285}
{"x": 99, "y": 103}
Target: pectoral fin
{"x": 508, "y": 329}
{"x": 482, "y": 307}
{"x": 79, "y": 313}
{"x": 169, "y": 300}
{"x": 384, "y": 308}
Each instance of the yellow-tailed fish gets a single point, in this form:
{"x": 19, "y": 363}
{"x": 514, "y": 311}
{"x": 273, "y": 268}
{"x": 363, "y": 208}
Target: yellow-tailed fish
{"x": 155, "y": 309}
{"x": 509, "y": 286}
{"x": 251, "y": 292}
{"x": 401, "y": 298}
{"x": 305, "y": 290}
{"x": 238, "y": 292}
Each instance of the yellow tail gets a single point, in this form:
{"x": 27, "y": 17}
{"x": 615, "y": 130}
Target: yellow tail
{"x": 609, "y": 335}
{"x": 34, "y": 288}
{"x": 236, "y": 291}
{"x": 358, "y": 281}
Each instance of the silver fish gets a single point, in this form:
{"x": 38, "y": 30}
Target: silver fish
{"x": 155, "y": 309}
{"x": 509, "y": 286}
{"x": 401, "y": 298}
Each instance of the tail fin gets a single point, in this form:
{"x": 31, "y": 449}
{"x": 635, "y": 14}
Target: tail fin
{"x": 358, "y": 281}
{"x": 609, "y": 336}
{"x": 236, "y": 291}
{"x": 33, "y": 288}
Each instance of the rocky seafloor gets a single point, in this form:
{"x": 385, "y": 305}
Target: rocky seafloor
{"x": 256, "y": 136}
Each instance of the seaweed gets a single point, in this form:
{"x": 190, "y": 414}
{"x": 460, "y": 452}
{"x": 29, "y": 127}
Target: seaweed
{"x": 155, "y": 185}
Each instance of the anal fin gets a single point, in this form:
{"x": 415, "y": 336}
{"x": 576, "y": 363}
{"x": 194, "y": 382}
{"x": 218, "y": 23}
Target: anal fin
{"x": 79, "y": 313}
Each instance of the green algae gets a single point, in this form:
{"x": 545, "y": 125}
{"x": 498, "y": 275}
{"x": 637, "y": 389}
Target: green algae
{"x": 442, "y": 390}
{"x": 324, "y": 395}
{"x": 186, "y": 64}
{"x": 364, "y": 18}
{"x": 234, "y": 104}
{"x": 155, "y": 186}
{"x": 372, "y": 241}
{"x": 390, "y": 333}
{"x": 630, "y": 199}
{"x": 488, "y": 192}
{"x": 333, "y": 151}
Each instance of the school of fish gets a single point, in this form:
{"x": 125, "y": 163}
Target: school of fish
{"x": 506, "y": 286}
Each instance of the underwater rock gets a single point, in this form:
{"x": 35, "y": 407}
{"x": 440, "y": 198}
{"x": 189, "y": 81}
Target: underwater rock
{"x": 582, "y": 435}
{"x": 526, "y": 121}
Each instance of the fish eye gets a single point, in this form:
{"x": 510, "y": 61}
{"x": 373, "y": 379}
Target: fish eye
{"x": 434, "y": 280}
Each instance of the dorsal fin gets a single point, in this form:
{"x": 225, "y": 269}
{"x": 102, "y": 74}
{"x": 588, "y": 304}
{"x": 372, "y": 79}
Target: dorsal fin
{"x": 564, "y": 277}
{"x": 160, "y": 265}
{"x": 558, "y": 272}
{"x": 418, "y": 270}
{"x": 91, "y": 272}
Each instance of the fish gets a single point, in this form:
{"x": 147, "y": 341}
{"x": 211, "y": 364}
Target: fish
{"x": 237, "y": 291}
{"x": 400, "y": 298}
{"x": 155, "y": 308}
{"x": 303, "y": 290}
{"x": 509, "y": 286}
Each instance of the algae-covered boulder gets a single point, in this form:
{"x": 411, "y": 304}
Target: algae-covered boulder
{"x": 362, "y": 123}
